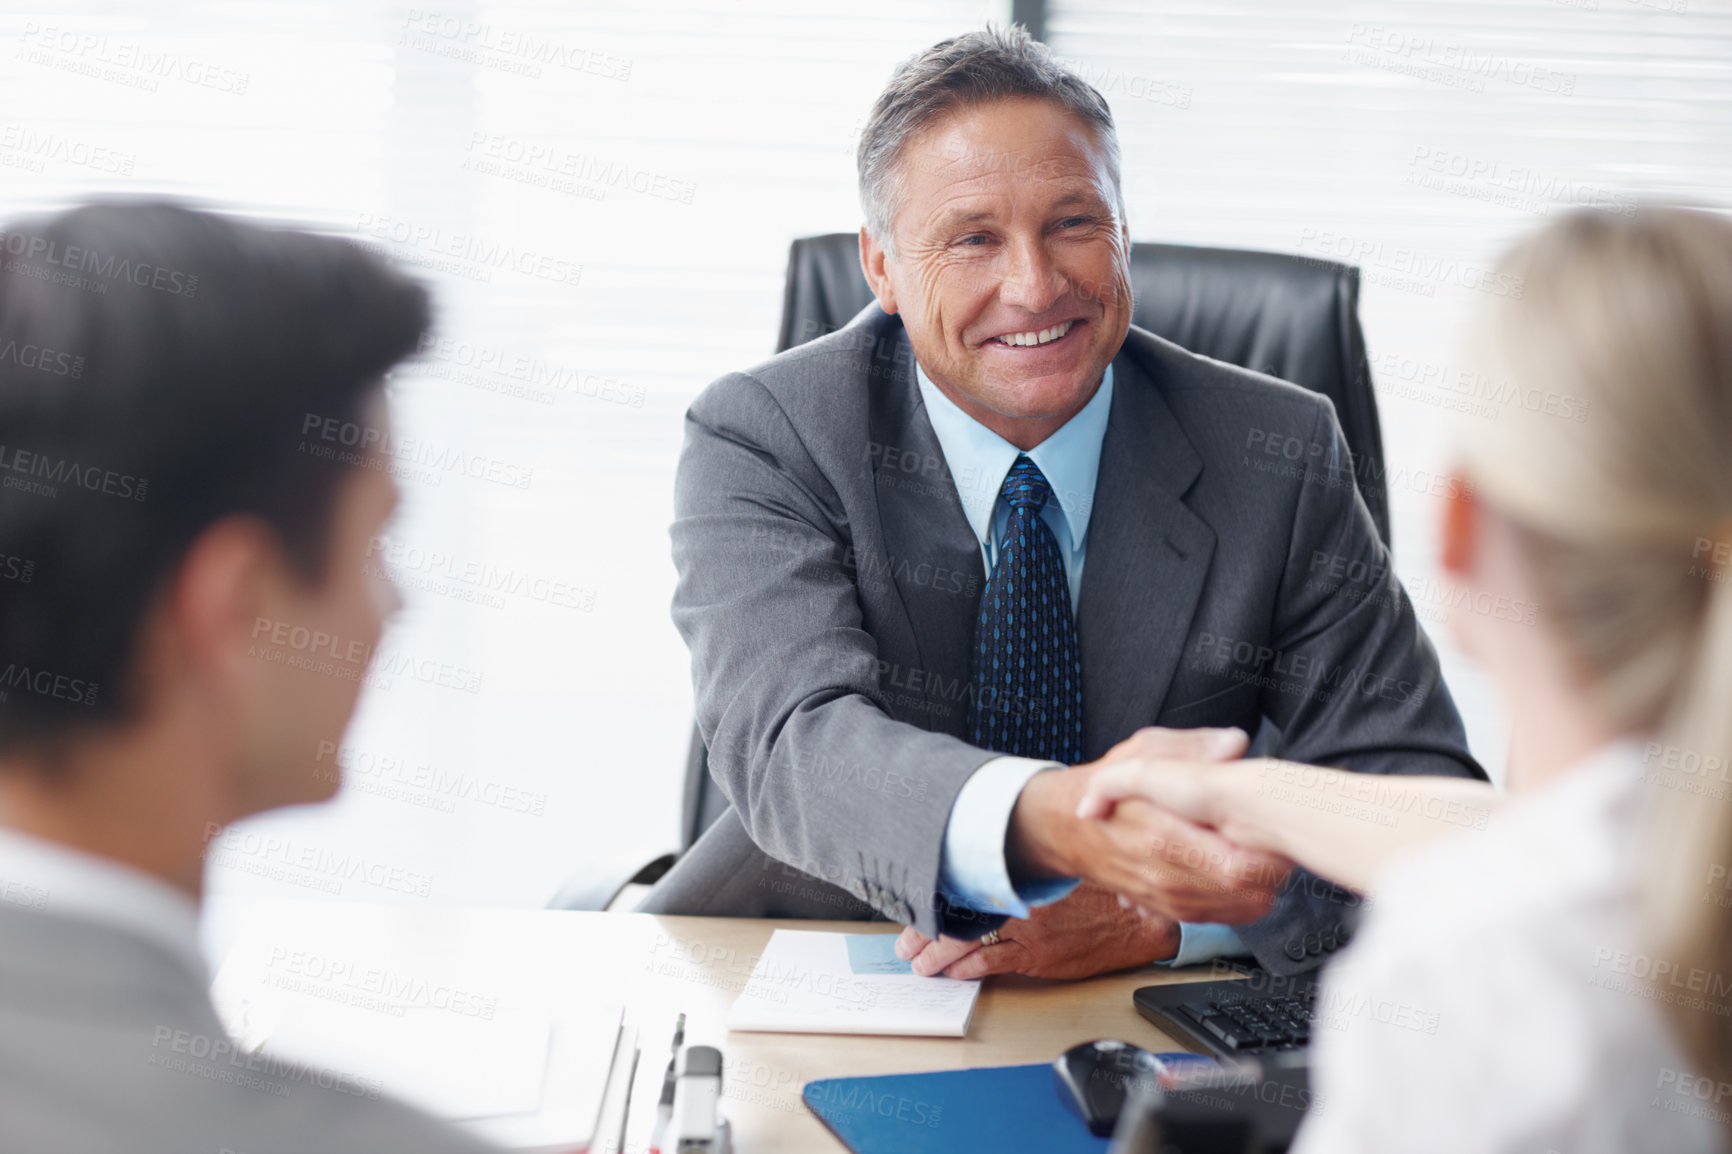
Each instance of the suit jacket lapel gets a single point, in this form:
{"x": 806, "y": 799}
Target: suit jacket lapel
{"x": 926, "y": 534}
{"x": 1148, "y": 557}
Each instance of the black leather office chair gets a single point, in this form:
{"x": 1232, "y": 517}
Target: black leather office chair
{"x": 1292, "y": 317}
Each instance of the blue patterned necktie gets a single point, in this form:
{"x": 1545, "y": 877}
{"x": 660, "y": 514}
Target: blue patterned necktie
{"x": 1027, "y": 677}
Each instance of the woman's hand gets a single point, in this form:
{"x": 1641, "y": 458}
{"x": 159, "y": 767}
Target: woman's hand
{"x": 1339, "y": 824}
{"x": 1149, "y": 846}
{"x": 1206, "y": 794}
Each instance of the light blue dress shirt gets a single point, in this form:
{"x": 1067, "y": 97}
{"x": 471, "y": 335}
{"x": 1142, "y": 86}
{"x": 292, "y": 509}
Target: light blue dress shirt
{"x": 972, "y": 869}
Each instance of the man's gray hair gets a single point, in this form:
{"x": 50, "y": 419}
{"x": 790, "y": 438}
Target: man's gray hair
{"x": 972, "y": 69}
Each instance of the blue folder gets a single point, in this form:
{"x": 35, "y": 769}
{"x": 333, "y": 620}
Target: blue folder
{"x": 1002, "y": 1108}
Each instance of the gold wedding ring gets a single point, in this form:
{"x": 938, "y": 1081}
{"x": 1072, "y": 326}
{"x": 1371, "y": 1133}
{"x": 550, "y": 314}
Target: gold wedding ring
{"x": 991, "y": 938}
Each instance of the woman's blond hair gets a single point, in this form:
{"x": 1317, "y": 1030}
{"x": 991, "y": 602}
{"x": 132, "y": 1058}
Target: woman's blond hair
{"x": 1612, "y": 448}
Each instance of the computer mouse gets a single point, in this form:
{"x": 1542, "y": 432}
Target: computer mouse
{"x": 1095, "y": 1078}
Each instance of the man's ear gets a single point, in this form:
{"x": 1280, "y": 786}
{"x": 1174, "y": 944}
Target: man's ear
{"x": 1461, "y": 529}
{"x": 221, "y": 594}
{"x": 872, "y": 259}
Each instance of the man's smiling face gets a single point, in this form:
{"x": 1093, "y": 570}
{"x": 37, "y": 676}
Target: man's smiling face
{"x": 1012, "y": 271}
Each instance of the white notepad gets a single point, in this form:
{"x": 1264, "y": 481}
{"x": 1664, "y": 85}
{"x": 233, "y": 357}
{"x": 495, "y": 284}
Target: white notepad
{"x": 820, "y": 983}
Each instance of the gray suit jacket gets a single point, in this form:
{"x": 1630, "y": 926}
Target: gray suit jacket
{"x": 829, "y": 585}
{"x": 108, "y": 1042}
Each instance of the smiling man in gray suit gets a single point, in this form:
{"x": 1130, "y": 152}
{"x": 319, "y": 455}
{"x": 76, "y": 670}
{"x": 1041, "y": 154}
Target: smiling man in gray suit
{"x": 933, "y": 566}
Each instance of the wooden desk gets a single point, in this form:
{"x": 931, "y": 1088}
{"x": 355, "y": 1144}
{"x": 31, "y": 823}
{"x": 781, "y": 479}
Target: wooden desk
{"x": 662, "y": 966}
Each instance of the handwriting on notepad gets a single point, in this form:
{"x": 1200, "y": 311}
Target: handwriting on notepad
{"x": 812, "y": 982}
{"x": 867, "y": 996}
{"x": 927, "y": 997}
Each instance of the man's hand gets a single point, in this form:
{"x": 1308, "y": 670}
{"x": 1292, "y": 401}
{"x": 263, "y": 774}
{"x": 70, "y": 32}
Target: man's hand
{"x": 1163, "y": 863}
{"x": 1090, "y": 932}
{"x": 1166, "y": 865}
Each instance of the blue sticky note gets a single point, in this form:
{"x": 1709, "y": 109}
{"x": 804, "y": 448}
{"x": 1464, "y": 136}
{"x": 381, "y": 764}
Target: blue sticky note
{"x": 875, "y": 954}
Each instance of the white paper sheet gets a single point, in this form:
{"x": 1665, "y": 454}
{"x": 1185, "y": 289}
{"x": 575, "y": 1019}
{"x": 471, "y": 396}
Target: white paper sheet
{"x": 804, "y": 983}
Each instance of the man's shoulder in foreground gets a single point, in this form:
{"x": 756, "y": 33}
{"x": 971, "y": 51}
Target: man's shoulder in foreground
{"x": 109, "y": 1042}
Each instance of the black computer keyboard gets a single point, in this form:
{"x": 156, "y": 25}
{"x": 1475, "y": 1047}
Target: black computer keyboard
{"x": 1257, "y": 1016}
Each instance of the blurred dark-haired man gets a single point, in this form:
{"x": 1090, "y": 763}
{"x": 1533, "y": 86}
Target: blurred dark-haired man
{"x": 157, "y": 506}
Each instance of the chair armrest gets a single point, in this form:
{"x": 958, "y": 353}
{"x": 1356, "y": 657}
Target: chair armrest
{"x": 593, "y": 889}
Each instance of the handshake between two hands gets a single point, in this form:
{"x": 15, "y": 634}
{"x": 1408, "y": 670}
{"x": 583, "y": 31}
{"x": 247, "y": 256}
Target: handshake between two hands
{"x": 1153, "y": 825}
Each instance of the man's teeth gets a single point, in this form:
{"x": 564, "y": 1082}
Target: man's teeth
{"x": 1036, "y": 338}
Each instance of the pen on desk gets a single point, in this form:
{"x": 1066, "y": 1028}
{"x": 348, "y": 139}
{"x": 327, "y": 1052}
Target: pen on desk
{"x": 665, "y": 1107}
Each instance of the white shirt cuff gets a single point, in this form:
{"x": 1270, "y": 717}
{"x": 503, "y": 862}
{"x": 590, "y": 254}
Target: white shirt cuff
{"x": 1204, "y": 942}
{"x": 971, "y": 868}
